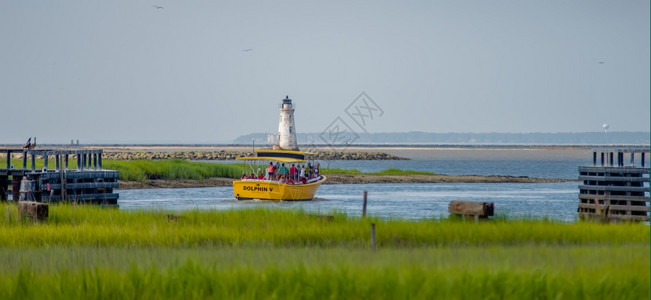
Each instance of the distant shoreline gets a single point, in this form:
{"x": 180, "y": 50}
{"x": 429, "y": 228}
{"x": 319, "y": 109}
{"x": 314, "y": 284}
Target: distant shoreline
{"x": 323, "y": 146}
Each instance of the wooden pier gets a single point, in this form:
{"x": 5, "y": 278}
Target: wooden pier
{"x": 87, "y": 182}
{"x": 615, "y": 188}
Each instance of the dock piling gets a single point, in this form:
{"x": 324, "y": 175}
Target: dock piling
{"x": 89, "y": 183}
{"x": 373, "y": 236}
{"x": 615, "y": 191}
{"x": 364, "y": 205}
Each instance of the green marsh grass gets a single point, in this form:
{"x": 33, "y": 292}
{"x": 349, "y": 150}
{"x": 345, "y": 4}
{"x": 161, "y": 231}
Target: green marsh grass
{"x": 173, "y": 169}
{"x": 88, "y": 225}
{"x": 510, "y": 272}
{"x": 140, "y": 170}
{"x": 91, "y": 252}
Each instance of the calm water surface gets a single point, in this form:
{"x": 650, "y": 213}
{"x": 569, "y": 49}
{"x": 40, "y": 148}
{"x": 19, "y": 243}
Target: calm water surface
{"x": 410, "y": 201}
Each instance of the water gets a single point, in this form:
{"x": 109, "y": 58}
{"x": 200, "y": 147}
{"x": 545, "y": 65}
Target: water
{"x": 548, "y": 164}
{"x": 410, "y": 201}
{"x": 559, "y": 168}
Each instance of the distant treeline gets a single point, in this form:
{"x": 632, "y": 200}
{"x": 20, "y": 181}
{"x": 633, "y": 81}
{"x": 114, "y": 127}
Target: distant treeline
{"x": 417, "y": 137}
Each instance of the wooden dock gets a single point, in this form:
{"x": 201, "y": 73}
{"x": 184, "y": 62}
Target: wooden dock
{"x": 87, "y": 182}
{"x": 615, "y": 188}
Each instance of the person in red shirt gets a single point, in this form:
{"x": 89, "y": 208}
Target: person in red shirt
{"x": 292, "y": 172}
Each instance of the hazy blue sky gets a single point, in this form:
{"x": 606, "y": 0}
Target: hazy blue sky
{"x": 126, "y": 71}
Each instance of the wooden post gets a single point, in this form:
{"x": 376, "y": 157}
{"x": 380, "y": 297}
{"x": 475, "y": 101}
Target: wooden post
{"x": 15, "y": 187}
{"x": 8, "y": 160}
{"x": 594, "y": 158}
{"x": 63, "y": 180}
{"x": 57, "y": 166}
{"x": 4, "y": 181}
{"x": 642, "y": 160}
{"x": 24, "y": 160}
{"x": 373, "y": 236}
{"x": 45, "y": 160}
{"x": 33, "y": 162}
{"x": 364, "y": 205}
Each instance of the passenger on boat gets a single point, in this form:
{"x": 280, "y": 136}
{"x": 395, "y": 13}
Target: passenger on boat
{"x": 308, "y": 168}
{"x": 244, "y": 176}
{"x": 301, "y": 174}
{"x": 292, "y": 172}
{"x": 282, "y": 172}
{"x": 270, "y": 171}
{"x": 316, "y": 170}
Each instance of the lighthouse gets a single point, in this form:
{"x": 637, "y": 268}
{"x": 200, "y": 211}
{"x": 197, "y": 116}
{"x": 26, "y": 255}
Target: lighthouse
{"x": 286, "y": 128}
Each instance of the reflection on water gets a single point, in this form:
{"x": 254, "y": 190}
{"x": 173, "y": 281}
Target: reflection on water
{"x": 410, "y": 201}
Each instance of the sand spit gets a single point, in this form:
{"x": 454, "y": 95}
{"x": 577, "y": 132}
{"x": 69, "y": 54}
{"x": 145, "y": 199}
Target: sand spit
{"x": 346, "y": 179}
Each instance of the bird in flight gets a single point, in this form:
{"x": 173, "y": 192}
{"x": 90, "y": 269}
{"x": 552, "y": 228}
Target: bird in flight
{"x": 247, "y": 50}
{"x": 601, "y": 62}
{"x": 158, "y": 7}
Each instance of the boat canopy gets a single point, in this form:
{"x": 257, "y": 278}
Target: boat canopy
{"x": 284, "y": 156}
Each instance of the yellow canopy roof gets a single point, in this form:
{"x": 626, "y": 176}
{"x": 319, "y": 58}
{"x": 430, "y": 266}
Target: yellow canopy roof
{"x": 278, "y": 159}
{"x": 284, "y": 156}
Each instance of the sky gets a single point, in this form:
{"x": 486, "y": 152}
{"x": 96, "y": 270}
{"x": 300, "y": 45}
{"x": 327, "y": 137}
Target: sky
{"x": 209, "y": 71}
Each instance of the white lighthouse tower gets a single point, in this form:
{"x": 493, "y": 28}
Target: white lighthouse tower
{"x": 286, "y": 127}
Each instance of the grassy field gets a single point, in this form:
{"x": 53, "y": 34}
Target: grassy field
{"x": 90, "y": 252}
{"x": 141, "y": 170}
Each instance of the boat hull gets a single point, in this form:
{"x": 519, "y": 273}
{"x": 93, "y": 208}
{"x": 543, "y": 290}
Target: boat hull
{"x": 273, "y": 190}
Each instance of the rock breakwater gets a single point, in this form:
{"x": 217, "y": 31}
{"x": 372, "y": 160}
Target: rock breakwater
{"x": 231, "y": 155}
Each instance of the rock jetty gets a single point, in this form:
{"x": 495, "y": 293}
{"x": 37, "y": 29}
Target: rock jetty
{"x": 231, "y": 155}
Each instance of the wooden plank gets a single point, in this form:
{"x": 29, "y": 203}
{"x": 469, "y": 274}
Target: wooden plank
{"x": 73, "y": 174}
{"x": 481, "y": 209}
{"x": 85, "y": 185}
{"x": 614, "y": 197}
{"x": 85, "y": 197}
{"x": 614, "y": 188}
{"x": 34, "y": 210}
{"x": 616, "y": 207}
{"x": 591, "y": 216}
{"x": 614, "y": 178}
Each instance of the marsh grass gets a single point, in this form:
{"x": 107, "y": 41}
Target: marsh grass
{"x": 91, "y": 252}
{"x": 173, "y": 169}
{"x": 510, "y": 272}
{"x": 89, "y": 225}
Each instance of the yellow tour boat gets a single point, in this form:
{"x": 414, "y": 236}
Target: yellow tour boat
{"x": 265, "y": 186}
